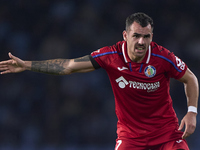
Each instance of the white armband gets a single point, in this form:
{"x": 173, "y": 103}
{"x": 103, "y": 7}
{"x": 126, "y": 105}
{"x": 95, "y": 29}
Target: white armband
{"x": 192, "y": 109}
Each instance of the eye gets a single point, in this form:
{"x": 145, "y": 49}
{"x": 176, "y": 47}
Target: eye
{"x": 136, "y": 35}
{"x": 147, "y": 36}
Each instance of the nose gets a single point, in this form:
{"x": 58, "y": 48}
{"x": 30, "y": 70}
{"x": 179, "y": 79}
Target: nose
{"x": 141, "y": 41}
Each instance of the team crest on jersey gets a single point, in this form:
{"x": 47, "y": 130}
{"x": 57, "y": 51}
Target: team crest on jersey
{"x": 150, "y": 71}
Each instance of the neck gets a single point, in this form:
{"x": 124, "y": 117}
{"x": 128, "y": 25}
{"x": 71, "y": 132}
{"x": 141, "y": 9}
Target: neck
{"x": 135, "y": 58}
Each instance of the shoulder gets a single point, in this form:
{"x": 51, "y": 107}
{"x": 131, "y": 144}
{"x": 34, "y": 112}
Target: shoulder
{"x": 108, "y": 50}
{"x": 160, "y": 50}
{"x": 162, "y": 53}
{"x": 106, "y": 55}
{"x": 167, "y": 58}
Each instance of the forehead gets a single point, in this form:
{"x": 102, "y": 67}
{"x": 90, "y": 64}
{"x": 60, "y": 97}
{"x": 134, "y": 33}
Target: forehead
{"x": 137, "y": 28}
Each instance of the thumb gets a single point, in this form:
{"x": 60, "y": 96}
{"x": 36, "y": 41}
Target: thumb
{"x": 16, "y": 59}
{"x": 10, "y": 55}
{"x": 181, "y": 125}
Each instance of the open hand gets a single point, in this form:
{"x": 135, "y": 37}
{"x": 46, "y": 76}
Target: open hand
{"x": 14, "y": 65}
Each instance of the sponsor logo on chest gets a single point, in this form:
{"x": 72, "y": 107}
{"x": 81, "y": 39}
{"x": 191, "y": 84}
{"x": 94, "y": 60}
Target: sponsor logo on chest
{"x": 149, "y": 87}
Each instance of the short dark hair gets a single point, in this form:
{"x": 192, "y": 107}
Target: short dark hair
{"x": 141, "y": 18}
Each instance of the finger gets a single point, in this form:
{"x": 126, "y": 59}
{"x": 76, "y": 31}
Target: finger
{"x": 6, "y": 62}
{"x": 5, "y": 72}
{"x": 185, "y": 135}
{"x": 3, "y": 67}
{"x": 181, "y": 126}
{"x": 188, "y": 130}
{"x": 12, "y": 56}
{"x": 14, "y": 59}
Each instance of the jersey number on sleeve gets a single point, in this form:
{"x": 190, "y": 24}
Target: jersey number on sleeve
{"x": 180, "y": 63}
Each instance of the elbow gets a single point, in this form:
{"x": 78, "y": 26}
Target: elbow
{"x": 65, "y": 72}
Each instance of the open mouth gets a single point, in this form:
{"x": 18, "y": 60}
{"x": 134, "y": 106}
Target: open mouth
{"x": 140, "y": 49}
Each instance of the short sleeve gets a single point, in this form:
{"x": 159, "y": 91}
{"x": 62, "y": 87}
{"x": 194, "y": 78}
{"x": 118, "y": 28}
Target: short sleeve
{"x": 178, "y": 66}
{"x": 94, "y": 62}
{"x": 103, "y": 56}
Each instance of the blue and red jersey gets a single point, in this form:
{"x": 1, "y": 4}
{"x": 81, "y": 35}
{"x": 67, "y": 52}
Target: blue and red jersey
{"x": 143, "y": 103}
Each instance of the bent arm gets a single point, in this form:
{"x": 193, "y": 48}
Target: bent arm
{"x": 191, "y": 88}
{"x": 192, "y": 93}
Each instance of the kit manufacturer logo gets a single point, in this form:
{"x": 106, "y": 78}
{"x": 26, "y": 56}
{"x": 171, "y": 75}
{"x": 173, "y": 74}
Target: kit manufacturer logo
{"x": 122, "y": 68}
{"x": 179, "y": 141}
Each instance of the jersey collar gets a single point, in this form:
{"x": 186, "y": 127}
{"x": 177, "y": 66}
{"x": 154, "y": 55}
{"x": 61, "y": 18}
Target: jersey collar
{"x": 128, "y": 60}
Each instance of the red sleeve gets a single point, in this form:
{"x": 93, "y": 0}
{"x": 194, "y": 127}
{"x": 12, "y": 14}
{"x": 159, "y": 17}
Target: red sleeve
{"x": 173, "y": 65}
{"x": 103, "y": 56}
{"x": 178, "y": 67}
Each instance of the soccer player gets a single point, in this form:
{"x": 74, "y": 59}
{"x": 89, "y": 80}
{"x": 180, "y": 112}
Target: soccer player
{"x": 139, "y": 71}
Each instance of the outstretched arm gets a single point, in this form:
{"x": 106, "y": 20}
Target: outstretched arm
{"x": 192, "y": 93}
{"x": 53, "y": 66}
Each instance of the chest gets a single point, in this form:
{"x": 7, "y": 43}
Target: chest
{"x": 151, "y": 72}
{"x": 139, "y": 77}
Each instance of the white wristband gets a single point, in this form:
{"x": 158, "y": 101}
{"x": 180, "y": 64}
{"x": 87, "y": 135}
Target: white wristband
{"x": 192, "y": 109}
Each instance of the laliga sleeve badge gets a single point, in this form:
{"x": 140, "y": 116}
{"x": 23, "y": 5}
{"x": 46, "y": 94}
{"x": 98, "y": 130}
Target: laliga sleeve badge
{"x": 150, "y": 71}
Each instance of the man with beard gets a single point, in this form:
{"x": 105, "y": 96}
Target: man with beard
{"x": 139, "y": 71}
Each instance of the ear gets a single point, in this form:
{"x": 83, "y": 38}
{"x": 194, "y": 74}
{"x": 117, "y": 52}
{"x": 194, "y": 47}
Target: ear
{"x": 152, "y": 37}
{"x": 125, "y": 35}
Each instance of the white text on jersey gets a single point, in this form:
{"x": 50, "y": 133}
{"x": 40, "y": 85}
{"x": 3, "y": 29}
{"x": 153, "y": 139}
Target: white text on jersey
{"x": 150, "y": 87}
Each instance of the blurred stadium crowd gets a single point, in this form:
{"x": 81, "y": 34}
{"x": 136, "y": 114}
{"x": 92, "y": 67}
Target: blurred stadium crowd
{"x": 76, "y": 112}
